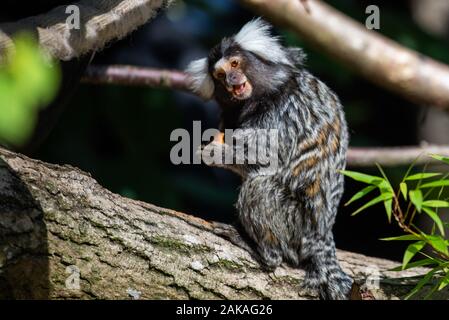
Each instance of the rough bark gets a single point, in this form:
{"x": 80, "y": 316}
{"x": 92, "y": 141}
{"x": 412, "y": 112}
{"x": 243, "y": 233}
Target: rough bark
{"x": 54, "y": 219}
{"x": 101, "y": 21}
{"x": 379, "y": 59}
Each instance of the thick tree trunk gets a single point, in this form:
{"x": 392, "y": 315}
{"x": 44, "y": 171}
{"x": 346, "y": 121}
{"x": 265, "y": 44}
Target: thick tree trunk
{"x": 58, "y": 225}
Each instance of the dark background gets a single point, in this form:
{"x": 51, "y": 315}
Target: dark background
{"x": 121, "y": 134}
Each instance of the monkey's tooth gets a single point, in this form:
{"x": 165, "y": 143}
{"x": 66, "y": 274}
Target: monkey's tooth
{"x": 239, "y": 88}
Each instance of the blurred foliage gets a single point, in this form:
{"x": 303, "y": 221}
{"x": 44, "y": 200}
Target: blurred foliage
{"x": 423, "y": 193}
{"x": 27, "y": 83}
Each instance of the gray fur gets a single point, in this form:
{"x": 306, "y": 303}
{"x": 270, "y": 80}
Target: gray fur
{"x": 290, "y": 214}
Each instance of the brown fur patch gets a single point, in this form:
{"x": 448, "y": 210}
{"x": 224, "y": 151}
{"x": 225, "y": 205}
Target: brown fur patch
{"x": 307, "y": 144}
{"x": 336, "y": 125}
{"x": 323, "y": 140}
{"x": 323, "y": 135}
{"x": 270, "y": 238}
{"x": 327, "y": 142}
{"x": 313, "y": 188}
{"x": 335, "y": 142}
{"x": 305, "y": 165}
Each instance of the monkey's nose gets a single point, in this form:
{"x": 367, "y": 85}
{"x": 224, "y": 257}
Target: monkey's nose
{"x": 234, "y": 79}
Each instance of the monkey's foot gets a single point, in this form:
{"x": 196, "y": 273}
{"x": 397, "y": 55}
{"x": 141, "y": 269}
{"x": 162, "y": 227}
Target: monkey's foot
{"x": 337, "y": 288}
{"x": 269, "y": 260}
{"x": 231, "y": 234}
{"x": 310, "y": 284}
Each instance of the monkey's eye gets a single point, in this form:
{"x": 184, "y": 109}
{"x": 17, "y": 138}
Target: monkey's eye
{"x": 234, "y": 64}
{"x": 220, "y": 75}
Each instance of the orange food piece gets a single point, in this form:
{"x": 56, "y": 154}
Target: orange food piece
{"x": 219, "y": 137}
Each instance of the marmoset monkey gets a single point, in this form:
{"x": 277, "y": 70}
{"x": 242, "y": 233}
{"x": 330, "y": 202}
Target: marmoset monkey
{"x": 288, "y": 213}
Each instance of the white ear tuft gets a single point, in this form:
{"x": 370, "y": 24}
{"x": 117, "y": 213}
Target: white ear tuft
{"x": 255, "y": 36}
{"x": 200, "y": 80}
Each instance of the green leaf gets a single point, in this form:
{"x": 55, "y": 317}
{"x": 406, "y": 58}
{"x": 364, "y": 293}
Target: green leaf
{"x": 360, "y": 194}
{"x": 432, "y": 214}
{"x": 438, "y": 243}
{"x": 385, "y": 187}
{"x": 435, "y": 184}
{"x": 411, "y": 251}
{"x": 362, "y": 177}
{"x": 436, "y": 204}
{"x": 403, "y": 187}
{"x": 440, "y": 158}
{"x": 382, "y": 197}
{"x": 416, "y": 198}
{"x": 388, "y": 208}
{"x": 421, "y": 176}
{"x": 422, "y": 283}
{"x": 27, "y": 83}
{"x": 419, "y": 263}
{"x": 407, "y": 237}
{"x": 431, "y": 292}
{"x": 444, "y": 282}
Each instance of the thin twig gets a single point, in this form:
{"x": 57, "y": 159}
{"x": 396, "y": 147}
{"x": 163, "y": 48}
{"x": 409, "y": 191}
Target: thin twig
{"x": 174, "y": 79}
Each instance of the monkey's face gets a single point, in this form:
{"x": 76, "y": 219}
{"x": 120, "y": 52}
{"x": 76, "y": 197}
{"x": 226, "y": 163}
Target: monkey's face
{"x": 246, "y": 66}
{"x": 230, "y": 73}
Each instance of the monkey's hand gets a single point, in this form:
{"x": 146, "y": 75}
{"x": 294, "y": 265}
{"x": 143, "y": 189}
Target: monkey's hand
{"x": 219, "y": 137}
{"x": 216, "y": 154}
{"x": 220, "y": 155}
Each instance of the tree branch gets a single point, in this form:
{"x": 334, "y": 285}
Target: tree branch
{"x": 418, "y": 78}
{"x": 172, "y": 79}
{"x": 57, "y": 225}
{"x": 100, "y": 23}
{"x": 394, "y": 156}
{"x": 136, "y": 76}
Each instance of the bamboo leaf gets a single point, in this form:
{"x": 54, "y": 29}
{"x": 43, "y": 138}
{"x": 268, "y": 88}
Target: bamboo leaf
{"x": 431, "y": 292}
{"x": 407, "y": 237}
{"x": 411, "y": 251}
{"x": 360, "y": 194}
{"x": 440, "y": 158}
{"x": 374, "y": 201}
{"x": 438, "y": 243}
{"x": 419, "y": 263}
{"x": 421, "y": 176}
{"x": 444, "y": 282}
{"x": 416, "y": 198}
{"x": 432, "y": 214}
{"x": 435, "y": 184}
{"x": 362, "y": 177}
{"x": 436, "y": 204}
{"x": 421, "y": 283}
{"x": 403, "y": 187}
{"x": 385, "y": 187}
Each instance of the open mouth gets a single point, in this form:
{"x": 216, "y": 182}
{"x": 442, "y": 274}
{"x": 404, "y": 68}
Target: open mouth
{"x": 239, "y": 88}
